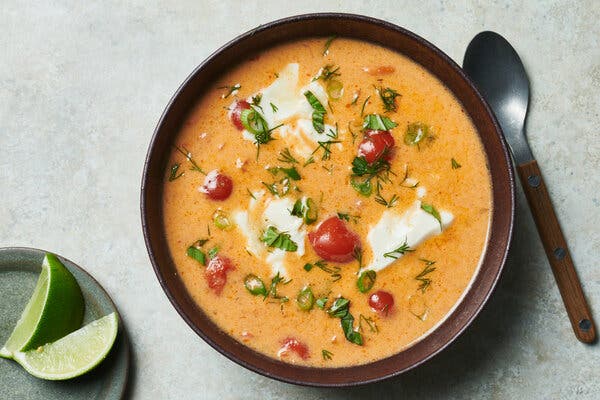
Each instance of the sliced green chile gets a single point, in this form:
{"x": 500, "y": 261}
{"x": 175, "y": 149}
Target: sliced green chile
{"x": 255, "y": 285}
{"x": 305, "y": 299}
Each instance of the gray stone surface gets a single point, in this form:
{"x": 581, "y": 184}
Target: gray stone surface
{"x": 82, "y": 85}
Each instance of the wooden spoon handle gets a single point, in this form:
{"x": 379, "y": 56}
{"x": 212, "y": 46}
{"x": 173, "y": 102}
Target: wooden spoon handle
{"x": 557, "y": 251}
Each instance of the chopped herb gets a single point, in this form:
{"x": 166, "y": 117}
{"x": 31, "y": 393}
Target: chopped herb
{"x": 378, "y": 123}
{"x": 348, "y": 217}
{"x": 310, "y": 160}
{"x": 281, "y": 240}
{"x": 305, "y": 299}
{"x": 425, "y": 282}
{"x": 366, "y": 280}
{"x": 364, "y": 188}
{"x": 362, "y": 110}
{"x": 273, "y": 288}
{"x": 327, "y": 355}
{"x": 230, "y": 90}
{"x": 415, "y": 133}
{"x": 328, "y": 43}
{"x": 388, "y": 97}
{"x": 188, "y": 156}
{"x": 286, "y": 157}
{"x": 256, "y": 100}
{"x": 250, "y": 193}
{"x": 319, "y": 111}
{"x": 255, "y": 285}
{"x": 381, "y": 200}
{"x": 273, "y": 107}
{"x": 334, "y": 271}
{"x": 377, "y": 168}
{"x": 430, "y": 209}
{"x": 291, "y": 173}
{"x": 197, "y": 254}
{"x": 341, "y": 309}
{"x": 280, "y": 188}
{"x": 400, "y": 251}
{"x": 327, "y": 73}
{"x": 307, "y": 210}
{"x": 358, "y": 256}
{"x": 407, "y": 181}
{"x": 370, "y": 323}
{"x": 354, "y": 135}
{"x": 321, "y": 302}
{"x": 355, "y": 97}
{"x": 213, "y": 252}
{"x": 326, "y": 146}
{"x": 455, "y": 164}
{"x": 173, "y": 174}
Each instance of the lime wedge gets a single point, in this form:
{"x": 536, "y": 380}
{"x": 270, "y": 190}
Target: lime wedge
{"x": 54, "y": 310}
{"x": 74, "y": 354}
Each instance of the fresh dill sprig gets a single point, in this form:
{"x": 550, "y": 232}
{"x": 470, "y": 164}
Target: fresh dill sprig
{"x": 399, "y": 251}
{"x": 425, "y": 282}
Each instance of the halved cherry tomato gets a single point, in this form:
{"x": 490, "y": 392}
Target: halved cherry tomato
{"x": 217, "y": 186}
{"x": 376, "y": 144}
{"x": 216, "y": 272}
{"x": 235, "y": 115}
{"x": 292, "y": 344}
{"x": 333, "y": 241}
{"x": 381, "y": 301}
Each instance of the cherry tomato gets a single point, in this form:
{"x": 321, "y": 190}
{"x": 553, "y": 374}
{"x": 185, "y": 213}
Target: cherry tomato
{"x": 217, "y": 186}
{"x": 216, "y": 272}
{"x": 240, "y": 106}
{"x": 375, "y": 145}
{"x": 292, "y": 344}
{"x": 333, "y": 241}
{"x": 381, "y": 301}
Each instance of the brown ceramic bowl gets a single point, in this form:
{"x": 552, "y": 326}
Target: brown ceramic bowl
{"x": 390, "y": 36}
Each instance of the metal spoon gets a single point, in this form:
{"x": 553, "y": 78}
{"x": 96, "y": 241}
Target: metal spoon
{"x": 495, "y": 67}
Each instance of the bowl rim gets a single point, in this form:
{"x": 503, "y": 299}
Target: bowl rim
{"x": 500, "y": 257}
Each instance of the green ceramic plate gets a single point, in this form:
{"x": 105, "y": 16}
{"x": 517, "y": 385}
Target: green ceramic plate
{"x": 19, "y": 270}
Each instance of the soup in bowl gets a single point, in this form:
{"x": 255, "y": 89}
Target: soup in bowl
{"x": 324, "y": 204}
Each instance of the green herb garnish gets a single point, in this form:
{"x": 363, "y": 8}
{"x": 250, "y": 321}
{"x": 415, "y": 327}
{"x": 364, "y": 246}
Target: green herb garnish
{"x": 327, "y": 72}
{"x": 425, "y": 282}
{"x": 174, "y": 175}
{"x": 366, "y": 280}
{"x": 455, "y": 164}
{"x": 281, "y": 240}
{"x": 188, "y": 156}
{"x": 327, "y": 355}
{"x": 378, "y": 122}
{"x": 307, "y": 210}
{"x": 197, "y": 254}
{"x": 334, "y": 271}
{"x": 388, "y": 97}
{"x": 387, "y": 203}
{"x": 348, "y": 217}
{"x": 328, "y": 43}
{"x": 273, "y": 107}
{"x": 341, "y": 309}
{"x": 273, "y": 288}
{"x": 370, "y": 323}
{"x": 362, "y": 110}
{"x": 310, "y": 160}
{"x": 213, "y": 252}
{"x": 321, "y": 302}
{"x": 400, "y": 251}
{"x": 230, "y": 89}
{"x": 318, "y": 115}
{"x": 286, "y": 157}
{"x": 430, "y": 209}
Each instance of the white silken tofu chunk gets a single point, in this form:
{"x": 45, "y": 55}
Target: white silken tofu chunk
{"x": 293, "y": 110}
{"x": 393, "y": 230}
{"x": 276, "y": 213}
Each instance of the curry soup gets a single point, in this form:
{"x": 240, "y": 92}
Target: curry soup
{"x": 327, "y": 202}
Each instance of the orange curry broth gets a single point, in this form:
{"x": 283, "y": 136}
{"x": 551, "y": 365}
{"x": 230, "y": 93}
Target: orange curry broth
{"x": 465, "y": 191}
